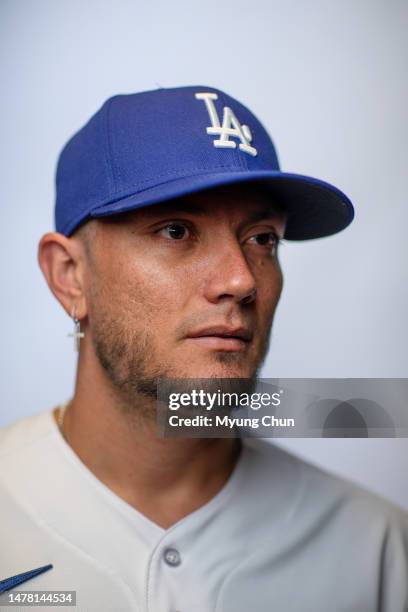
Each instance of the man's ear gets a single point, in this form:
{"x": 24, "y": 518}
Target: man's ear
{"x": 62, "y": 262}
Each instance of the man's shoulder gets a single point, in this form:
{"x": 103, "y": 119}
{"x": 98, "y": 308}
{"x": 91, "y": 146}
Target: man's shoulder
{"x": 21, "y": 434}
{"x": 318, "y": 491}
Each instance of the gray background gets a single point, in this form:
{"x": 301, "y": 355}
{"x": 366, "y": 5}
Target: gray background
{"x": 328, "y": 79}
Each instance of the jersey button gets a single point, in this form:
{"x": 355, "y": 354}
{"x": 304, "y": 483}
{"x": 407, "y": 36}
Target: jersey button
{"x": 172, "y": 557}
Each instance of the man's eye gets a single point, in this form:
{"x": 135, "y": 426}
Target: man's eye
{"x": 175, "y": 231}
{"x": 269, "y": 239}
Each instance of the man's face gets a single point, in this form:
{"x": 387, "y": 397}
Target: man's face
{"x": 162, "y": 274}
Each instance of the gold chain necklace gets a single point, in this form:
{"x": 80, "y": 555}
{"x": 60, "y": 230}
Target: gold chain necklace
{"x": 61, "y": 413}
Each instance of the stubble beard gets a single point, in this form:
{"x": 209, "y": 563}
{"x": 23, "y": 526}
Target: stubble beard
{"x": 134, "y": 369}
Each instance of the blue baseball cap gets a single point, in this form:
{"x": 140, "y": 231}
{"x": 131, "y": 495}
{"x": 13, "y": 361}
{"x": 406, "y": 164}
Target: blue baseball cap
{"x": 145, "y": 148}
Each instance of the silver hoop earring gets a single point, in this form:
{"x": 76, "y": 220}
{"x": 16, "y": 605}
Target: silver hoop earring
{"x": 76, "y": 334}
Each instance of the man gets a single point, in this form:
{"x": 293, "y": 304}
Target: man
{"x": 170, "y": 207}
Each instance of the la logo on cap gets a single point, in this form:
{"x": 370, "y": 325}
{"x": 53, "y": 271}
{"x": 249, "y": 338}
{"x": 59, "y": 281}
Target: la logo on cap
{"x": 230, "y": 126}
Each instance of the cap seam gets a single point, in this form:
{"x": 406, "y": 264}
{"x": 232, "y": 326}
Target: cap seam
{"x": 187, "y": 172}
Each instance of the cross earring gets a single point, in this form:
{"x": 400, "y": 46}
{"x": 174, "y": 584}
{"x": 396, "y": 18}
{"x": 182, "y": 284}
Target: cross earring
{"x": 76, "y": 334}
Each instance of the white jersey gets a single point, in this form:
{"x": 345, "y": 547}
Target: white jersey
{"x": 281, "y": 535}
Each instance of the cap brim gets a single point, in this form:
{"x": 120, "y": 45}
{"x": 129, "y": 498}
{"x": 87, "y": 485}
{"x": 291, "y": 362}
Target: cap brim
{"x": 314, "y": 208}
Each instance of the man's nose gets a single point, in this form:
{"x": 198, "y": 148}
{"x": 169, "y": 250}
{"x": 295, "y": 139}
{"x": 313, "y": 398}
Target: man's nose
{"x": 230, "y": 276}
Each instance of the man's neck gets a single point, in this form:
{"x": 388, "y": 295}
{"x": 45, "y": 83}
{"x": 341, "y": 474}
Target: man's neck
{"x": 163, "y": 478}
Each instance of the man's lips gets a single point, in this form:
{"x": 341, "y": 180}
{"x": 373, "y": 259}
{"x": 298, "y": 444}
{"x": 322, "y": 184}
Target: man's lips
{"x": 222, "y": 337}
